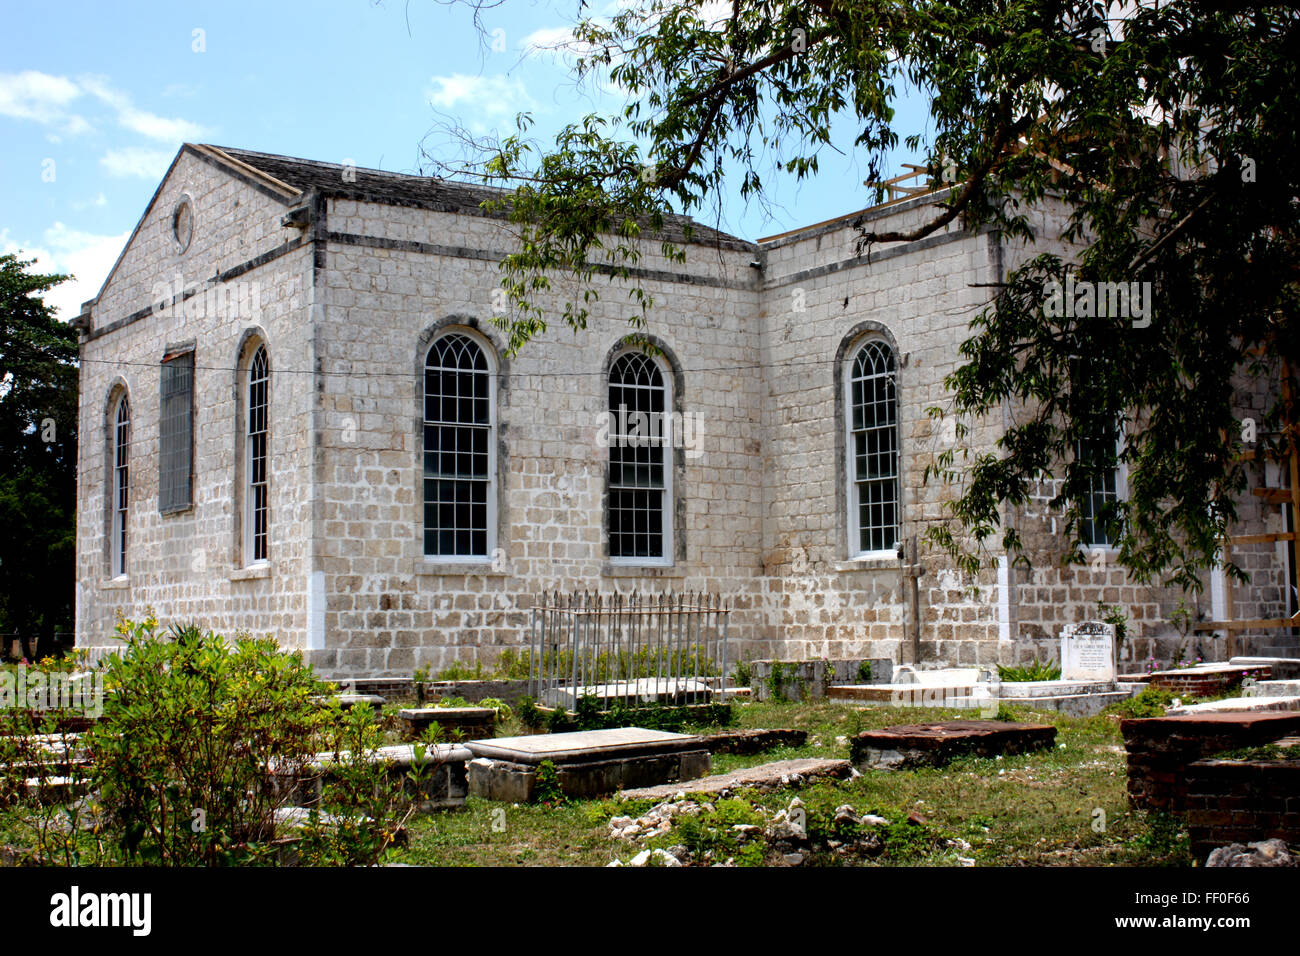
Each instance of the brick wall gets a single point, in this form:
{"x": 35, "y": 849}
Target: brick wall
{"x": 1160, "y": 749}
{"x": 1236, "y": 801}
{"x": 1209, "y": 683}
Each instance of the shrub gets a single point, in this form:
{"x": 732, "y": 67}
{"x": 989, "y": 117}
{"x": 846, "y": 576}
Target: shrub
{"x": 546, "y": 785}
{"x": 1151, "y": 702}
{"x": 1037, "y": 670}
{"x": 198, "y": 740}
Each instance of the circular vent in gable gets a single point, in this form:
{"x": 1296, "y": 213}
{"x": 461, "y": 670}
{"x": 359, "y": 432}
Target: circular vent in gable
{"x": 183, "y": 223}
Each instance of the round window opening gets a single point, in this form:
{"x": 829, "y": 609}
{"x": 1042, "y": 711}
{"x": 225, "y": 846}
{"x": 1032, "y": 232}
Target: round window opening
{"x": 183, "y": 224}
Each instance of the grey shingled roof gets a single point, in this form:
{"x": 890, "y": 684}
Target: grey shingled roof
{"x": 424, "y": 192}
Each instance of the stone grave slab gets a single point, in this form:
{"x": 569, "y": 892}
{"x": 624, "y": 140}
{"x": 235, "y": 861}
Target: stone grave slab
{"x": 645, "y": 690}
{"x": 933, "y": 745}
{"x": 1270, "y": 688}
{"x": 1282, "y": 668}
{"x": 752, "y": 741}
{"x": 1238, "y": 705}
{"x": 588, "y": 763}
{"x": 443, "y": 782}
{"x": 904, "y": 695}
{"x": 768, "y": 776}
{"x": 1088, "y": 651}
{"x": 463, "y": 722}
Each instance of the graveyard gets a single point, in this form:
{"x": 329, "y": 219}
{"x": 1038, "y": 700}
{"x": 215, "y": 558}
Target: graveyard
{"x": 825, "y": 765}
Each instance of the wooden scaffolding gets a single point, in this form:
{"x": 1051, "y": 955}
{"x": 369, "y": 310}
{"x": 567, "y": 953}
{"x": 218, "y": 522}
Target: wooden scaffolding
{"x": 1289, "y": 452}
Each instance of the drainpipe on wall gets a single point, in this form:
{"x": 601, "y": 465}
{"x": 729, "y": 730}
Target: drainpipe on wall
{"x": 912, "y": 601}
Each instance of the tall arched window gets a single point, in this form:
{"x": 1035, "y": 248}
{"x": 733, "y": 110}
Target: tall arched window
{"x": 640, "y": 471}
{"x": 459, "y": 450}
{"x": 1105, "y": 487}
{"x": 875, "y": 509}
{"x": 121, "y": 484}
{"x": 256, "y": 431}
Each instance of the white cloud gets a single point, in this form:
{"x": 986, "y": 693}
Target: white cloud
{"x": 137, "y": 161}
{"x": 41, "y": 98}
{"x": 140, "y": 121}
{"x": 98, "y": 201}
{"x": 481, "y": 99}
{"x": 86, "y": 256}
{"x": 44, "y": 98}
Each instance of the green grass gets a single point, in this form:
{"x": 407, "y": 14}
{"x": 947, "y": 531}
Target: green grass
{"x": 1041, "y": 809}
{"x": 1034, "y": 809}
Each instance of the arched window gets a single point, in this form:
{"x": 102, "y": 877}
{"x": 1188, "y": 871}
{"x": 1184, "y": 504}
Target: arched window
{"x": 121, "y": 484}
{"x": 640, "y": 471}
{"x": 256, "y": 432}
{"x": 874, "y": 501}
{"x": 459, "y": 450}
{"x": 1105, "y": 487}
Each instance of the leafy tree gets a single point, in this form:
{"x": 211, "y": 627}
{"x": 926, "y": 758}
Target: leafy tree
{"x": 1167, "y": 134}
{"x": 38, "y": 456}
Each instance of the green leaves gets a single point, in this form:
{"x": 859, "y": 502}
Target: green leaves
{"x": 203, "y": 739}
{"x": 1163, "y": 146}
{"x": 38, "y": 451}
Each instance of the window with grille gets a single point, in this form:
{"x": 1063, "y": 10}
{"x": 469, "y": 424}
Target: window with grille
{"x": 459, "y": 457}
{"x": 255, "y": 497}
{"x": 1103, "y": 491}
{"x": 874, "y": 499}
{"x": 121, "y": 486}
{"x": 176, "y": 433}
{"x": 639, "y": 467}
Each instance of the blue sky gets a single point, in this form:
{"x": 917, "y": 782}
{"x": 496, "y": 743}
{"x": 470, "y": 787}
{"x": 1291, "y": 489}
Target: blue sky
{"x": 95, "y": 99}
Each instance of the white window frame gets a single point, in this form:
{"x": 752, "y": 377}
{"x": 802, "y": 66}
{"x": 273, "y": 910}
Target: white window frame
{"x": 852, "y": 503}
{"x": 489, "y": 355}
{"x": 250, "y": 544}
{"x": 120, "y": 487}
{"x": 1121, "y": 491}
{"x": 667, "y": 449}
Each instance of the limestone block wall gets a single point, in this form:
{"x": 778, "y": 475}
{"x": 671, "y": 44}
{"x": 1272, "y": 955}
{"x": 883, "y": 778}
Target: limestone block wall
{"x": 394, "y": 278}
{"x": 190, "y": 566}
{"x": 756, "y": 339}
{"x": 820, "y": 299}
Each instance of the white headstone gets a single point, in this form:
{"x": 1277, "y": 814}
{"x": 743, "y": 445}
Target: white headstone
{"x": 1088, "y": 651}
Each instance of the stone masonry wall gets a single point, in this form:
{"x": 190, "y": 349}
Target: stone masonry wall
{"x": 757, "y": 338}
{"x": 397, "y": 275}
{"x": 190, "y": 566}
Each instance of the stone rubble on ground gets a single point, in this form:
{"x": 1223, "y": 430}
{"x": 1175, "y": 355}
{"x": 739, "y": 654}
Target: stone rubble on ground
{"x": 785, "y": 836}
{"x": 1265, "y": 853}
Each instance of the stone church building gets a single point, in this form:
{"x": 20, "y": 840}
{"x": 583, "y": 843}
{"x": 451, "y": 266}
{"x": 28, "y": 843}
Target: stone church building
{"x": 297, "y": 419}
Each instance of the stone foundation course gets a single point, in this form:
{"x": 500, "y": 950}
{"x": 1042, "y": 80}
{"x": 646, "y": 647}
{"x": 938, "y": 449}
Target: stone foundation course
{"x": 593, "y": 763}
{"x": 933, "y": 745}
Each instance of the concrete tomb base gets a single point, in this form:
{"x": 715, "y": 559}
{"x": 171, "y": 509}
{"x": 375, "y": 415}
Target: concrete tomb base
{"x": 933, "y": 745}
{"x": 780, "y": 774}
{"x": 589, "y": 763}
{"x": 643, "y": 690}
{"x": 443, "y": 778}
{"x": 466, "y": 722}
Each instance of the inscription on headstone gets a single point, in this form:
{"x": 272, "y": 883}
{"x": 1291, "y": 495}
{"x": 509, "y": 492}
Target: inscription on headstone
{"x": 1088, "y": 651}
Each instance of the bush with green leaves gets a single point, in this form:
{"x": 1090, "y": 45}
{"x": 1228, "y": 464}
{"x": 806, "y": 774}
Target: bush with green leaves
{"x": 202, "y": 740}
{"x": 1035, "y": 670}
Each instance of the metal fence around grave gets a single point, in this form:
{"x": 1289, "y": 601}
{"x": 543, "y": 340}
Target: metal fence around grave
{"x": 668, "y": 648}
